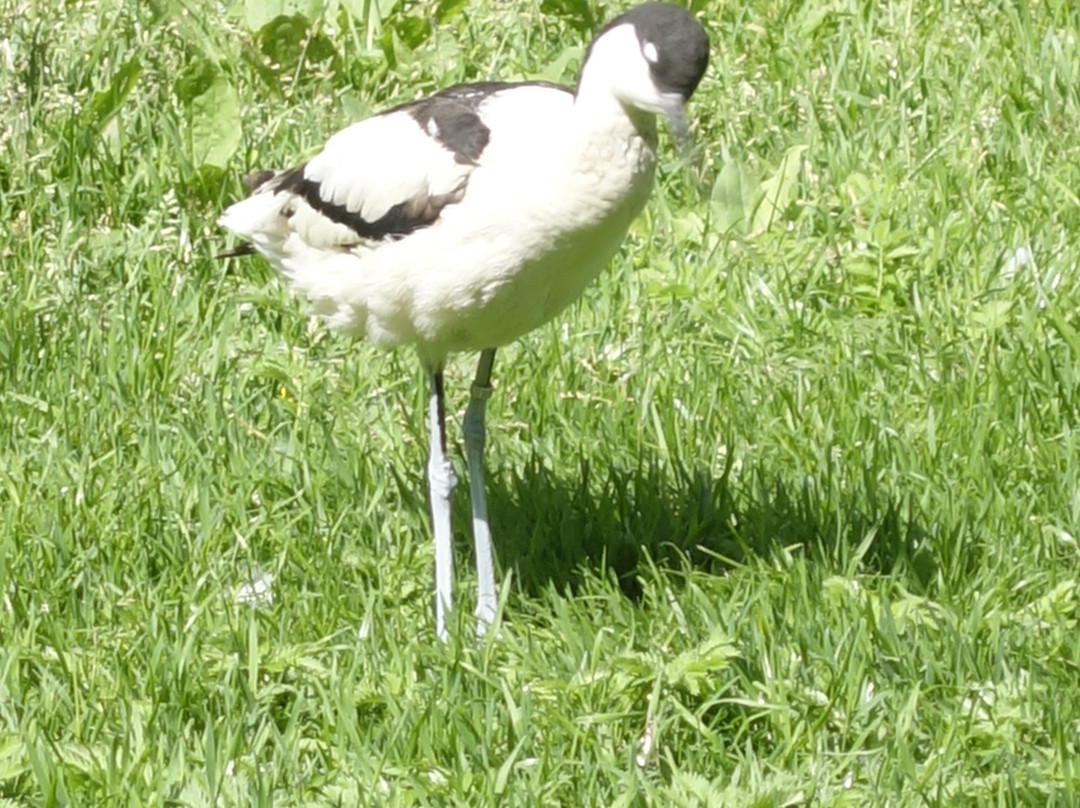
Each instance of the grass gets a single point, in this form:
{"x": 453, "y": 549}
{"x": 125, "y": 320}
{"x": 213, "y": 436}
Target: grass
{"x": 787, "y": 509}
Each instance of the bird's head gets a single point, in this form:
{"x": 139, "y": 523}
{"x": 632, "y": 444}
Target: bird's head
{"x": 651, "y": 58}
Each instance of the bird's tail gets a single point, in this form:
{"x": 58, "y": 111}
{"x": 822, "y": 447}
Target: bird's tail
{"x": 257, "y": 219}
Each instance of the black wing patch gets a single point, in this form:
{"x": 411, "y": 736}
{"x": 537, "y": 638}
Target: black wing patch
{"x": 455, "y": 125}
{"x": 455, "y": 112}
{"x": 257, "y": 179}
{"x": 400, "y": 220}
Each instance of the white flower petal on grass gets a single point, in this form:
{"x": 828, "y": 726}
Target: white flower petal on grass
{"x": 1020, "y": 265}
{"x": 258, "y": 590}
{"x": 7, "y": 54}
{"x": 1020, "y": 259}
{"x": 364, "y": 631}
{"x": 646, "y": 746}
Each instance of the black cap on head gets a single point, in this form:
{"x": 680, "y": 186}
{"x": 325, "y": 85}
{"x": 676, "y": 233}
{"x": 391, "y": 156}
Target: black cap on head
{"x": 672, "y": 42}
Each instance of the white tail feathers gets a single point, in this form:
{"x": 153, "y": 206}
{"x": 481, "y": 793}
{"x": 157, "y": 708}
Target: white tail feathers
{"x": 259, "y": 215}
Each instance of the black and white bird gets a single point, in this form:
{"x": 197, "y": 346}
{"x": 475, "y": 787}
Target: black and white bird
{"x": 461, "y": 221}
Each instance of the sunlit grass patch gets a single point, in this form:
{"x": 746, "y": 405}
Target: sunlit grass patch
{"x": 788, "y": 508}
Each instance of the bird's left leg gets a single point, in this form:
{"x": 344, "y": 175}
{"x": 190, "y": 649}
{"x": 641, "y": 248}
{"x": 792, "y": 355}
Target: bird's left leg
{"x": 473, "y": 427}
{"x": 441, "y": 482}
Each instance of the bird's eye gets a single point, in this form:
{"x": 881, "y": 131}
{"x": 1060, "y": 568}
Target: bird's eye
{"x": 648, "y": 50}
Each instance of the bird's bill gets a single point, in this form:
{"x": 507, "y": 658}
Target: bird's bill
{"x": 673, "y": 106}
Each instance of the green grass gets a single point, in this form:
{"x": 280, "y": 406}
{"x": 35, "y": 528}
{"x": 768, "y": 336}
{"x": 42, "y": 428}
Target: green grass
{"x": 794, "y": 493}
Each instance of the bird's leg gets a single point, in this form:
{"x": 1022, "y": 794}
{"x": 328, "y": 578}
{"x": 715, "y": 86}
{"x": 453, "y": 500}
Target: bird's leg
{"x": 441, "y": 482}
{"x": 473, "y": 427}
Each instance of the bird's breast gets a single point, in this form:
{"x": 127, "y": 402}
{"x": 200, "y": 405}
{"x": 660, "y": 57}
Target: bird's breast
{"x": 526, "y": 263}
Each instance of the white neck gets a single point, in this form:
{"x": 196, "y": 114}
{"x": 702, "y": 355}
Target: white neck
{"x": 597, "y": 104}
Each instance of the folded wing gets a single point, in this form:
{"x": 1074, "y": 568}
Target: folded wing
{"x": 380, "y": 178}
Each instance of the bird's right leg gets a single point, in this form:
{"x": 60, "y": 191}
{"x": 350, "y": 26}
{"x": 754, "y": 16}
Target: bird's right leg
{"x": 441, "y": 482}
{"x": 473, "y": 427}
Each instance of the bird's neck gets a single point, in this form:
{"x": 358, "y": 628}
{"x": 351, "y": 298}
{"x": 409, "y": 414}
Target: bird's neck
{"x": 609, "y": 156}
{"x": 597, "y": 109}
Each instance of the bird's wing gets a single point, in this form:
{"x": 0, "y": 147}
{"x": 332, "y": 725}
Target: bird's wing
{"x": 382, "y": 177}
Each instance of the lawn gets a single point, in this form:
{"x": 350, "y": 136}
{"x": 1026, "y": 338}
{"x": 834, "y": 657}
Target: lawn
{"x": 787, "y": 508}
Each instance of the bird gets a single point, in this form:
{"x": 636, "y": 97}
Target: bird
{"x": 463, "y": 220}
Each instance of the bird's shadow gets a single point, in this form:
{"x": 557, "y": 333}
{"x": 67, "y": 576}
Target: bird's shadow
{"x": 552, "y": 528}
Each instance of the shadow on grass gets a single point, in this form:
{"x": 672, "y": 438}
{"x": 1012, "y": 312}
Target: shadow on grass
{"x": 551, "y": 528}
